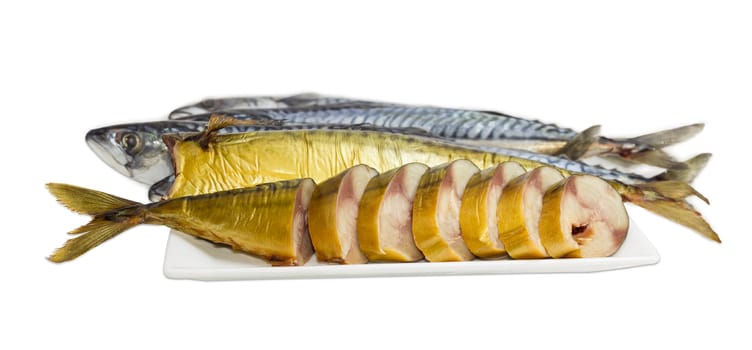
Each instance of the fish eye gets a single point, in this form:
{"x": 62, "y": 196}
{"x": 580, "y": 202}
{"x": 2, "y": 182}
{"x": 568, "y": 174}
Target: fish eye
{"x": 131, "y": 142}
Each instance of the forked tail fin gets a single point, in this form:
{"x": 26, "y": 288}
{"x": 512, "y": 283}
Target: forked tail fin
{"x": 111, "y": 216}
{"x": 668, "y": 199}
{"x": 645, "y": 149}
{"x": 669, "y": 137}
{"x": 86, "y": 201}
{"x": 655, "y": 157}
{"x": 693, "y": 168}
{"x": 673, "y": 189}
{"x": 649, "y": 147}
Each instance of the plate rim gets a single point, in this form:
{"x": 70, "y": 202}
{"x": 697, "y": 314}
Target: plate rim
{"x": 648, "y": 256}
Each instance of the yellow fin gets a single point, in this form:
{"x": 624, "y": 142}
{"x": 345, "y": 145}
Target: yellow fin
{"x": 693, "y": 168}
{"x": 221, "y": 121}
{"x": 86, "y": 201}
{"x": 658, "y": 158}
{"x": 112, "y": 215}
{"x": 675, "y": 209}
{"x": 674, "y": 189}
{"x": 96, "y": 232}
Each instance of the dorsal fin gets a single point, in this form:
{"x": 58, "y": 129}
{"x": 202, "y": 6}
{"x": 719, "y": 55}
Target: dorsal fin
{"x": 220, "y": 121}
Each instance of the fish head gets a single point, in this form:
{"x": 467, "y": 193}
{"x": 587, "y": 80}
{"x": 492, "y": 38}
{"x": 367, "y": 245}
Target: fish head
{"x": 137, "y": 150}
{"x": 211, "y": 105}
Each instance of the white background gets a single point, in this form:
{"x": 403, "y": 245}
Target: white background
{"x": 67, "y": 67}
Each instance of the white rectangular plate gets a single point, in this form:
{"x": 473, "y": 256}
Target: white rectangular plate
{"x": 188, "y": 257}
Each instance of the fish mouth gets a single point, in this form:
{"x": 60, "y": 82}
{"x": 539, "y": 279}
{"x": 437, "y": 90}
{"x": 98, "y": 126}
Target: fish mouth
{"x": 116, "y": 160}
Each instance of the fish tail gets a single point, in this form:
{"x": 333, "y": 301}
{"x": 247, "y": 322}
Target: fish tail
{"x": 85, "y": 201}
{"x": 111, "y": 216}
{"x": 668, "y": 199}
{"x": 693, "y": 168}
{"x": 645, "y": 149}
{"x": 655, "y": 157}
{"x": 674, "y": 190}
{"x": 578, "y": 146}
{"x": 648, "y": 148}
{"x": 668, "y": 137}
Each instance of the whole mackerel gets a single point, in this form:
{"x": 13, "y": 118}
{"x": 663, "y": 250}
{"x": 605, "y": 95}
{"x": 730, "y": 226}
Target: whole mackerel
{"x": 480, "y": 128}
{"x": 137, "y": 151}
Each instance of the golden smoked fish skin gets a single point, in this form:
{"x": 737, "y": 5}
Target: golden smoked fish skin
{"x": 210, "y": 162}
{"x": 436, "y": 212}
{"x": 258, "y": 220}
{"x": 385, "y": 215}
{"x": 246, "y": 159}
{"x": 267, "y": 220}
{"x": 519, "y": 211}
{"x": 333, "y": 214}
{"x": 478, "y": 220}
